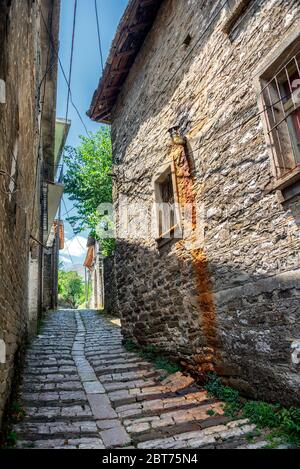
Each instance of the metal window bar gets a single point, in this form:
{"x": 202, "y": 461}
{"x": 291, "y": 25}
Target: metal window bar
{"x": 281, "y": 111}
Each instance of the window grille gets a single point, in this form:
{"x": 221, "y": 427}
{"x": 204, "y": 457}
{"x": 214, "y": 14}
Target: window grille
{"x": 281, "y": 99}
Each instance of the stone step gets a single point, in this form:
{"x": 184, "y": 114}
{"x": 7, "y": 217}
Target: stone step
{"x": 48, "y": 363}
{"x": 212, "y": 436}
{"x": 170, "y": 423}
{"x": 54, "y": 398}
{"x": 115, "y": 361}
{"x": 53, "y": 352}
{"x": 161, "y": 406}
{"x": 118, "y": 368}
{"x": 54, "y": 430}
{"x": 54, "y": 412}
{"x": 60, "y": 386}
{"x": 112, "y": 356}
{"x": 130, "y": 376}
{"x": 50, "y": 370}
{"x": 100, "y": 350}
{"x": 50, "y": 378}
{"x": 116, "y": 386}
{"x": 130, "y": 396}
{"x": 55, "y": 355}
{"x": 77, "y": 443}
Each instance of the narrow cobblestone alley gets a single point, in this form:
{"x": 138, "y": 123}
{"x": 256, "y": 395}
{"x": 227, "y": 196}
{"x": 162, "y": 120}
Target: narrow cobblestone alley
{"x": 82, "y": 389}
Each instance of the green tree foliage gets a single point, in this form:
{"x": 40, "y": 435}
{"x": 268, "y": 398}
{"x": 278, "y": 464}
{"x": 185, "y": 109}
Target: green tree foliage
{"x": 88, "y": 182}
{"x": 71, "y": 288}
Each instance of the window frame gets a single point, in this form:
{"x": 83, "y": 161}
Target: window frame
{"x": 174, "y": 231}
{"x": 262, "y": 75}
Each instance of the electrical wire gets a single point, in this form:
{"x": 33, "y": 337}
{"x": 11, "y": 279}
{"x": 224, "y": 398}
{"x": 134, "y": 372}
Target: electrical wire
{"x": 71, "y": 58}
{"x": 68, "y": 251}
{"x": 72, "y": 225}
{"x": 70, "y": 77}
{"x": 99, "y": 35}
{"x": 69, "y": 211}
{"x": 55, "y": 49}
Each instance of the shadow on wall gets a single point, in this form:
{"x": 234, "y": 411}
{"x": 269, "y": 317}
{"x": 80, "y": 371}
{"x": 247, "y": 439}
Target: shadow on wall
{"x": 244, "y": 331}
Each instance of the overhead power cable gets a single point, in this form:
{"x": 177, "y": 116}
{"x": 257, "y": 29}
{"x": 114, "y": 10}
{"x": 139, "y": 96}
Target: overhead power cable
{"x": 71, "y": 58}
{"x": 69, "y": 79}
{"x": 55, "y": 49}
{"x": 69, "y": 254}
{"x": 72, "y": 226}
{"x": 99, "y": 35}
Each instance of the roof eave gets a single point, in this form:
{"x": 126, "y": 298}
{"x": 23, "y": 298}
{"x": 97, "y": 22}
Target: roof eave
{"x": 131, "y": 33}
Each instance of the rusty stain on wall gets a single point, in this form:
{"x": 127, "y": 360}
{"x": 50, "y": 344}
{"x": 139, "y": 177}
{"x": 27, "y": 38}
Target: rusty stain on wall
{"x": 205, "y": 361}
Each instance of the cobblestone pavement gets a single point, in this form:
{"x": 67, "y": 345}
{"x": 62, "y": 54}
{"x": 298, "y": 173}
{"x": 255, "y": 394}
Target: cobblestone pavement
{"x": 82, "y": 389}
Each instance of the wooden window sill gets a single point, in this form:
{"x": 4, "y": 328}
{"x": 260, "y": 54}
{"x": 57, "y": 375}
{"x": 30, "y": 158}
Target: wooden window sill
{"x": 167, "y": 237}
{"x": 285, "y": 181}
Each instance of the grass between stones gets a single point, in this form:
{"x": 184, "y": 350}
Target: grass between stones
{"x": 8, "y": 438}
{"x": 284, "y": 422}
{"x": 152, "y": 354}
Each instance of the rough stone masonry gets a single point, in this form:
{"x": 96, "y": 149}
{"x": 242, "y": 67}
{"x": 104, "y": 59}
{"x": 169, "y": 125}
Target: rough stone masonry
{"x": 24, "y": 85}
{"x": 229, "y": 302}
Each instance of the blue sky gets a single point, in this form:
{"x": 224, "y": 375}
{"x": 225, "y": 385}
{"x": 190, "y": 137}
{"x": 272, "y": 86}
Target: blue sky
{"x": 85, "y": 78}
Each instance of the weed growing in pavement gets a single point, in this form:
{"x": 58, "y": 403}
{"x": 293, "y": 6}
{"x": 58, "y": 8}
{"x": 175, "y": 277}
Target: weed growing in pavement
{"x": 150, "y": 353}
{"x": 285, "y": 422}
{"x": 8, "y": 437}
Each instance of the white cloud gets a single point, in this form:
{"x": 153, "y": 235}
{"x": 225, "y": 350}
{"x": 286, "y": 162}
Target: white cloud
{"x": 76, "y": 247}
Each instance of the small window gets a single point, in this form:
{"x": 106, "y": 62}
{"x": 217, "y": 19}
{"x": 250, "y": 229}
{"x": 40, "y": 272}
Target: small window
{"x": 166, "y": 207}
{"x": 281, "y": 99}
{"x": 237, "y": 9}
{"x": 166, "y": 211}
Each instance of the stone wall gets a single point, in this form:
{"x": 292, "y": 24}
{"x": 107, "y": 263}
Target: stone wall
{"x": 21, "y": 54}
{"x": 33, "y": 290}
{"x": 110, "y": 286}
{"x": 230, "y": 301}
{"x": 48, "y": 286}
{"x": 50, "y": 272}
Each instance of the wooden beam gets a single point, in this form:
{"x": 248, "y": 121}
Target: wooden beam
{"x": 120, "y": 71}
{"x": 145, "y": 3}
{"x": 138, "y": 27}
{"x": 126, "y": 53}
{"x": 104, "y": 117}
{"x": 112, "y": 88}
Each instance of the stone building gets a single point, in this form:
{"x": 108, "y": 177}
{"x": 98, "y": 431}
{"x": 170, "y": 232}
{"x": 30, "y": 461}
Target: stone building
{"x": 28, "y": 78}
{"x": 110, "y": 286}
{"x": 54, "y": 233}
{"x": 203, "y": 103}
{"x": 95, "y": 274}
{"x": 101, "y": 278}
